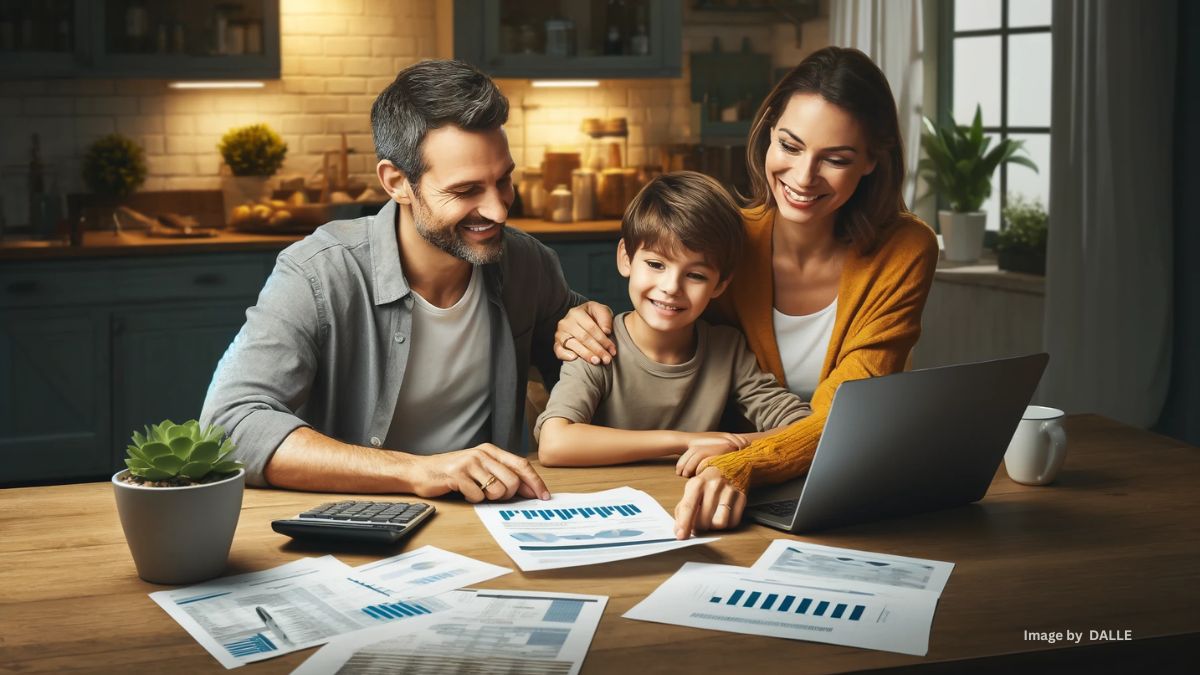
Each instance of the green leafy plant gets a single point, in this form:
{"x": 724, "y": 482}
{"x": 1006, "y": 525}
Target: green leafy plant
{"x": 1027, "y": 225}
{"x": 114, "y": 165}
{"x": 958, "y": 164}
{"x": 180, "y": 453}
{"x": 254, "y": 150}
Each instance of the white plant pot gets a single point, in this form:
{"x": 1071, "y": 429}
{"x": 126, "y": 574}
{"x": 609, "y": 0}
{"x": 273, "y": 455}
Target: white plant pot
{"x": 962, "y": 234}
{"x": 238, "y": 190}
{"x": 179, "y": 535}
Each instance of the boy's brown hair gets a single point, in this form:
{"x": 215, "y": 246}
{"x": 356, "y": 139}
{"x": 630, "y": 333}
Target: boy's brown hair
{"x": 685, "y": 209}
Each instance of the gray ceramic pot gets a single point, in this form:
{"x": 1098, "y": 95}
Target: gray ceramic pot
{"x": 179, "y": 535}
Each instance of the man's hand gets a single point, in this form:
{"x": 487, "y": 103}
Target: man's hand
{"x": 709, "y": 502}
{"x": 583, "y": 333}
{"x": 484, "y": 472}
{"x": 703, "y": 448}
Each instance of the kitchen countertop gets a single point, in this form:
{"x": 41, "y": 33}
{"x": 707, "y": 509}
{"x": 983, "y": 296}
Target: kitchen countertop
{"x": 99, "y": 244}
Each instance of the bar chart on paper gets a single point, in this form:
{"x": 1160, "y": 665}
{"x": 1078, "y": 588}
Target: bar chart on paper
{"x": 789, "y": 603}
{"x": 583, "y": 513}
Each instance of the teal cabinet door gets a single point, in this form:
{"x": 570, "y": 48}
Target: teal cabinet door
{"x": 163, "y": 362}
{"x": 590, "y": 268}
{"x": 54, "y": 401}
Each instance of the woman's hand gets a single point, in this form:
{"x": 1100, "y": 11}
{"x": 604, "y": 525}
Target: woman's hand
{"x": 709, "y": 503}
{"x": 583, "y": 333}
{"x": 703, "y": 448}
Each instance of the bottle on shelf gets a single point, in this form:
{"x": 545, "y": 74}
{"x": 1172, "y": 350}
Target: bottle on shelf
{"x": 613, "y": 37}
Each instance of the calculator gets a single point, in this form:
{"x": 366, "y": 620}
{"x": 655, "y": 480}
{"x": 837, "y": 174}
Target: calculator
{"x": 358, "y": 521}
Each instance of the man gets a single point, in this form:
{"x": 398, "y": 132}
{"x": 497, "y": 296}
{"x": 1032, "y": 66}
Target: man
{"x": 380, "y": 347}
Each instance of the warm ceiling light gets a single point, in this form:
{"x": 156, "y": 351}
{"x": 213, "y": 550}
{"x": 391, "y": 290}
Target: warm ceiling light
{"x": 217, "y": 84}
{"x": 566, "y": 83}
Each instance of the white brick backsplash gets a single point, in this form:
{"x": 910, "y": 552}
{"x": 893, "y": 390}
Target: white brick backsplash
{"x": 313, "y": 25}
{"x": 347, "y": 46}
{"x": 140, "y": 124}
{"x": 371, "y": 26}
{"x": 346, "y": 123}
{"x": 319, "y": 66}
{"x": 368, "y": 66}
{"x": 301, "y": 124}
{"x": 171, "y": 165}
{"x": 48, "y": 105}
{"x": 181, "y": 145}
{"x": 396, "y": 46}
{"x": 324, "y": 104}
{"x": 179, "y": 124}
{"x": 299, "y": 45}
{"x": 152, "y": 144}
{"x": 346, "y": 85}
{"x": 304, "y": 85}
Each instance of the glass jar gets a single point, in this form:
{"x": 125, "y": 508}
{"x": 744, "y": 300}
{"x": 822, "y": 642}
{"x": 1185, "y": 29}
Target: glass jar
{"x": 560, "y": 204}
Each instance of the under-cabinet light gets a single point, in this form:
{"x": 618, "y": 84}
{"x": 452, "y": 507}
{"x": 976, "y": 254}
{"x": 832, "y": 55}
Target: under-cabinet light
{"x": 566, "y": 83}
{"x": 218, "y": 84}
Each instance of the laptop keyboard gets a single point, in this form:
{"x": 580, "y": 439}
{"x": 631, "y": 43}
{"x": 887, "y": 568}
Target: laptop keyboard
{"x": 782, "y": 509}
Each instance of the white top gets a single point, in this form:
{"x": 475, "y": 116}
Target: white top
{"x": 803, "y": 342}
{"x": 445, "y": 399}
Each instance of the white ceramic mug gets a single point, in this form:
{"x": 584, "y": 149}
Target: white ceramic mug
{"x": 1038, "y": 448}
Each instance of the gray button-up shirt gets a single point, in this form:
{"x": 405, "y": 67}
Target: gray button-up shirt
{"x": 327, "y": 343}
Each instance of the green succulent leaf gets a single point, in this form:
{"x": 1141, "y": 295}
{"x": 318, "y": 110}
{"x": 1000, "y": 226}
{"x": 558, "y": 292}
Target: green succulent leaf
{"x": 136, "y": 464}
{"x": 135, "y": 452}
{"x": 226, "y": 467}
{"x": 195, "y": 470}
{"x": 155, "y": 449}
{"x": 138, "y": 439}
{"x": 177, "y": 431}
{"x": 181, "y": 446}
{"x": 169, "y": 463}
{"x": 205, "y": 451}
{"x": 152, "y": 473}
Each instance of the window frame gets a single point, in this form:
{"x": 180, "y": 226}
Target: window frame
{"x": 945, "y": 85}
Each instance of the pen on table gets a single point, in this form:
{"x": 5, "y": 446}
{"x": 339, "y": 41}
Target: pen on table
{"x": 270, "y": 622}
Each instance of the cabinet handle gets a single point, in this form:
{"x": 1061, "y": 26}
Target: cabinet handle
{"x": 209, "y": 279}
{"x": 24, "y": 287}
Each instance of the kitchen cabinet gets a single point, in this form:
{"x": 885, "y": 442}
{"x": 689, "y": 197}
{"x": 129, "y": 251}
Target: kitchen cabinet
{"x": 92, "y": 349}
{"x": 590, "y": 268}
{"x": 570, "y": 38}
{"x": 140, "y": 38}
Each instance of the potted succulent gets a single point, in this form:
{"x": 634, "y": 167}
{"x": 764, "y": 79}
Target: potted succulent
{"x": 253, "y": 154}
{"x": 179, "y": 501}
{"x": 1021, "y": 246}
{"x": 959, "y": 166}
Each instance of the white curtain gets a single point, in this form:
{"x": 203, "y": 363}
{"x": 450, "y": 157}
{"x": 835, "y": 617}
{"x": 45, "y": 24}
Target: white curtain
{"x": 893, "y": 33}
{"x": 1109, "y": 281}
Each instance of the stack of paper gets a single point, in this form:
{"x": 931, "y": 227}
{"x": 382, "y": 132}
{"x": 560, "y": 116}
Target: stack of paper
{"x": 582, "y": 529}
{"x": 261, "y": 615}
{"x": 808, "y": 592}
{"x": 507, "y": 632}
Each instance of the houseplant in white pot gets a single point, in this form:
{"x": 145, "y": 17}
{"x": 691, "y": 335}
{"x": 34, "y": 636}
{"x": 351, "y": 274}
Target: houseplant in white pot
{"x": 179, "y": 501}
{"x": 253, "y": 154}
{"x": 959, "y": 167}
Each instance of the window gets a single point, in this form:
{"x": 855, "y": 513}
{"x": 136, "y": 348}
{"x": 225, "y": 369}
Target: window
{"x": 996, "y": 53}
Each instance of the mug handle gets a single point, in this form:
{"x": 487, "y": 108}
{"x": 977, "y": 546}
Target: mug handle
{"x": 1058, "y": 443}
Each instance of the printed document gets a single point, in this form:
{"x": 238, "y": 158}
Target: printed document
{"x": 808, "y": 592}
{"x": 582, "y": 529}
{"x": 509, "y": 632}
{"x": 260, "y": 615}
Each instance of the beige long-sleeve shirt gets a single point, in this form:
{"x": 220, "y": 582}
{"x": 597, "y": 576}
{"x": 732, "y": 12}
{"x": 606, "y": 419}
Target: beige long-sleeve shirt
{"x": 637, "y": 393}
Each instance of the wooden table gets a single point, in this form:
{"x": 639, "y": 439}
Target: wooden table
{"x": 1114, "y": 545}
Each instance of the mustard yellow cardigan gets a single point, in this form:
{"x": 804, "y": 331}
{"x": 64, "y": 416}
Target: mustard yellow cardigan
{"x": 880, "y": 299}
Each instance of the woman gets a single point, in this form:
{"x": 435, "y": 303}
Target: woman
{"x": 836, "y": 273}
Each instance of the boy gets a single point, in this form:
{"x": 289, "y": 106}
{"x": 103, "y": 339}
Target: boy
{"x": 665, "y": 391}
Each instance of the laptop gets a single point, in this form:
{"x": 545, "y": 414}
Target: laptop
{"x": 905, "y": 443}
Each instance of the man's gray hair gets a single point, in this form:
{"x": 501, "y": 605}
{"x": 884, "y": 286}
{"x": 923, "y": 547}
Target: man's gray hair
{"x": 429, "y": 95}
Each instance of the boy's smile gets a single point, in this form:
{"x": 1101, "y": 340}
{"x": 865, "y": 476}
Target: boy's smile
{"x": 669, "y": 291}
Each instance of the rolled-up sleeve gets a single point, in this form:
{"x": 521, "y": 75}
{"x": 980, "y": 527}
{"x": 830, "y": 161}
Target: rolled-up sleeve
{"x": 267, "y": 373}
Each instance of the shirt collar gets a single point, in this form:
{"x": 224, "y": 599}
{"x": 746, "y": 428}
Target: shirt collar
{"x": 390, "y": 284}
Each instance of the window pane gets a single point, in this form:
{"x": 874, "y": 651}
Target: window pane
{"x": 1029, "y": 80}
{"x": 977, "y": 79}
{"x": 991, "y": 205}
{"x": 976, "y": 14}
{"x": 1022, "y": 180}
{"x": 1028, "y": 13}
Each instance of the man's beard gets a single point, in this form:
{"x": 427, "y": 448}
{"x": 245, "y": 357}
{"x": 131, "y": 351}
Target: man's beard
{"x": 450, "y": 240}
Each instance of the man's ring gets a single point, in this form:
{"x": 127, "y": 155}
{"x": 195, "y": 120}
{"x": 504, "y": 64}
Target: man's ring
{"x": 487, "y": 483}
{"x": 725, "y": 505}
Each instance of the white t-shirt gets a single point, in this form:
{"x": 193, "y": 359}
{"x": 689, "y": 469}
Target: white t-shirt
{"x": 803, "y": 342}
{"x": 445, "y": 401}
